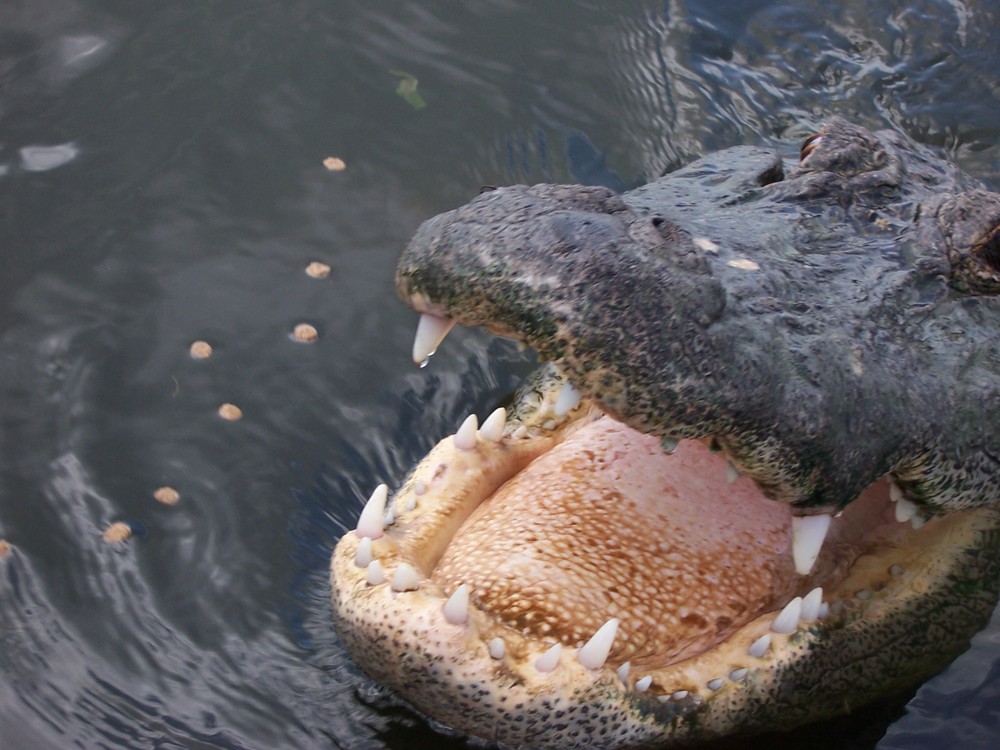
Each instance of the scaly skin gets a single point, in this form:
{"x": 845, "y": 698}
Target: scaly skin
{"x": 825, "y": 325}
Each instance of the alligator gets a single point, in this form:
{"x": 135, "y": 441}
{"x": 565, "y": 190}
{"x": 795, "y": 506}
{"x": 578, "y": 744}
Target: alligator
{"x": 756, "y": 482}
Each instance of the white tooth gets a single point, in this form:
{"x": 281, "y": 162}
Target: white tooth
{"x": 520, "y": 432}
{"x": 680, "y": 695}
{"x": 372, "y": 519}
{"x": 732, "y": 473}
{"x": 623, "y": 671}
{"x": 738, "y": 674}
{"x": 595, "y": 652}
{"x": 759, "y": 647}
{"x": 467, "y": 438}
{"x": 905, "y": 510}
{"x": 549, "y": 660}
{"x": 431, "y": 331}
{"x": 715, "y": 684}
{"x": 405, "y": 578}
{"x": 894, "y": 492}
{"x": 788, "y": 619}
{"x": 389, "y": 518}
{"x": 824, "y": 610}
{"x": 456, "y": 609}
{"x": 419, "y": 487}
{"x": 896, "y": 570}
{"x": 497, "y": 648}
{"x": 376, "y": 573}
{"x": 364, "y": 556}
{"x": 642, "y": 685}
{"x": 918, "y": 520}
{"x": 492, "y": 429}
{"x": 668, "y": 444}
{"x": 808, "y": 533}
{"x": 411, "y": 503}
{"x": 810, "y": 605}
{"x": 568, "y": 399}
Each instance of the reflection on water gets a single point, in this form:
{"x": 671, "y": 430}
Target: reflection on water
{"x": 162, "y": 181}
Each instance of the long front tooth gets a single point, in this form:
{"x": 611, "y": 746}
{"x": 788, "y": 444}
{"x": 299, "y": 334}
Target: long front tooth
{"x": 371, "y": 523}
{"x": 492, "y": 429}
{"x": 467, "y": 436}
{"x": 788, "y": 620}
{"x": 431, "y": 331}
{"x": 549, "y": 660}
{"x": 808, "y": 533}
{"x": 595, "y": 652}
{"x": 568, "y": 399}
{"x": 364, "y": 555}
{"x": 456, "y": 609}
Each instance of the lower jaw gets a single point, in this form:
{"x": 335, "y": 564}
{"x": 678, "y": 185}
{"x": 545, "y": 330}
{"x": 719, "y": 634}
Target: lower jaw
{"x": 389, "y": 597}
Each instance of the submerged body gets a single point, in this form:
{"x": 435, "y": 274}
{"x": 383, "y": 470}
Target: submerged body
{"x": 822, "y": 338}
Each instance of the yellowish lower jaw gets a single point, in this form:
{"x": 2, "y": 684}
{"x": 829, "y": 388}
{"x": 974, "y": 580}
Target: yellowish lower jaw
{"x": 539, "y": 567}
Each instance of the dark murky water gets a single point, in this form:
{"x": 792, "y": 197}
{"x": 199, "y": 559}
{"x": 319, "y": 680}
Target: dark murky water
{"x": 162, "y": 180}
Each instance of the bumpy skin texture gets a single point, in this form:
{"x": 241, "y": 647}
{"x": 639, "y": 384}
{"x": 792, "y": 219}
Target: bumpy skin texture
{"x": 827, "y": 322}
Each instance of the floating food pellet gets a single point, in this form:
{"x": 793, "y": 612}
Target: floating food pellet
{"x": 117, "y": 532}
{"x": 305, "y": 333}
{"x": 231, "y": 412}
{"x": 318, "y": 270}
{"x": 167, "y": 496}
{"x": 4, "y": 548}
{"x": 334, "y": 164}
{"x": 201, "y": 350}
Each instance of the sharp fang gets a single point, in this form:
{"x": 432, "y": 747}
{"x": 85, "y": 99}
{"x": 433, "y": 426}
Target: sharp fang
{"x": 788, "y": 619}
{"x": 595, "y": 652}
{"x": 456, "y": 609}
{"x": 372, "y": 520}
{"x": 467, "y": 438}
{"x": 894, "y": 492}
{"x": 549, "y": 660}
{"x": 431, "y": 331}
{"x": 715, "y": 684}
{"x": 732, "y": 473}
{"x": 759, "y": 647}
{"x": 808, "y": 533}
{"x": 405, "y": 578}
{"x": 364, "y": 556}
{"x": 568, "y": 399}
{"x": 492, "y": 429}
{"x": 497, "y": 648}
{"x": 738, "y": 674}
{"x": 643, "y": 684}
{"x": 905, "y": 510}
{"x": 811, "y": 605}
{"x": 375, "y": 573}
{"x": 623, "y": 671}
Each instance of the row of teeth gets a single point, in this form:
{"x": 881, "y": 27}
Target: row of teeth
{"x": 808, "y": 532}
{"x": 593, "y": 654}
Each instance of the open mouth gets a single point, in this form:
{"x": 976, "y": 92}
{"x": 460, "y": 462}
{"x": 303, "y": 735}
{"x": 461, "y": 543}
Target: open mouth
{"x": 555, "y": 554}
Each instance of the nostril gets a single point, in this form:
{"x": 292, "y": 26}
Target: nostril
{"x": 657, "y": 221}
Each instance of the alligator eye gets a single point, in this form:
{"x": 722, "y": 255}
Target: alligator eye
{"x": 970, "y": 223}
{"x": 810, "y": 144}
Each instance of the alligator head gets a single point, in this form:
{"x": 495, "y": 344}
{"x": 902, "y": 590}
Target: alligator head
{"x": 708, "y": 513}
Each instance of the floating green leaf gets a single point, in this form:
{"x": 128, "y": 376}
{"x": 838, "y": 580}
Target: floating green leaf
{"x": 407, "y": 89}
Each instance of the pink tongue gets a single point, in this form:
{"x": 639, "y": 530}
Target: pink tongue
{"x": 608, "y": 525}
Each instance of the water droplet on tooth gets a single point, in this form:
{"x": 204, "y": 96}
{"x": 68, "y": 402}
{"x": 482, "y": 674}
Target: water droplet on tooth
{"x": 788, "y": 619}
{"x": 492, "y": 429}
{"x": 405, "y": 578}
{"x": 364, "y": 556}
{"x": 569, "y": 398}
{"x": 431, "y": 330}
{"x": 595, "y": 652}
{"x": 549, "y": 660}
{"x": 808, "y": 533}
{"x": 811, "y": 604}
{"x": 371, "y": 523}
{"x": 467, "y": 437}
{"x": 456, "y": 609}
